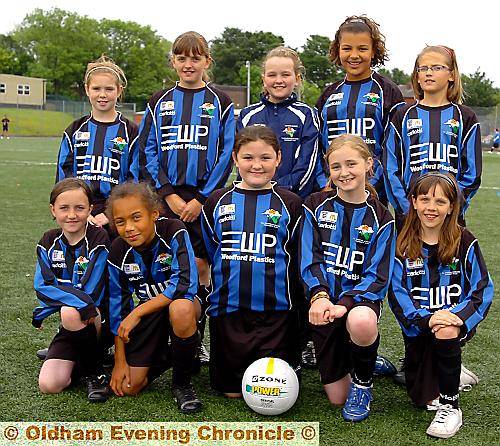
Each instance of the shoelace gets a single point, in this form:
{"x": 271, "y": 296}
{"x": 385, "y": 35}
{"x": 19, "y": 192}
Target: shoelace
{"x": 443, "y": 413}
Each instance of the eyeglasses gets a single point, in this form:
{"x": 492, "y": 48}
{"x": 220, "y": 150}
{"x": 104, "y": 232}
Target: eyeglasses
{"x": 434, "y": 68}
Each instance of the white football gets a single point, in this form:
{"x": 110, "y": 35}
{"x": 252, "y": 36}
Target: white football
{"x": 270, "y": 386}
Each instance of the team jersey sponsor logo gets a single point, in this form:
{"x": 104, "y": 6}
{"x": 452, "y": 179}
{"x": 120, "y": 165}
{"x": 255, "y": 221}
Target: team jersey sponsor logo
{"x": 365, "y": 232}
{"x": 82, "y": 136}
{"x": 413, "y": 124}
{"x": 183, "y": 137}
{"x": 328, "y": 220}
{"x": 372, "y": 99}
{"x": 131, "y": 268}
{"x": 434, "y": 156}
{"x": 335, "y": 99}
{"x": 82, "y": 263}
{"x": 415, "y": 264}
{"x": 119, "y": 143}
{"x": 164, "y": 259}
{"x": 58, "y": 256}
{"x": 453, "y": 268}
{"x": 149, "y": 291}
{"x": 454, "y": 125}
{"x": 247, "y": 246}
{"x": 227, "y": 213}
{"x": 273, "y": 216}
{"x": 167, "y": 105}
{"x": 97, "y": 168}
{"x": 207, "y": 110}
{"x": 354, "y": 126}
{"x": 289, "y": 131}
{"x": 342, "y": 260}
{"x": 227, "y": 209}
{"x": 437, "y": 297}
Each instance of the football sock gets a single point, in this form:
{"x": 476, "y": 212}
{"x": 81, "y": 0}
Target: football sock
{"x": 363, "y": 359}
{"x": 183, "y": 353}
{"x": 448, "y": 361}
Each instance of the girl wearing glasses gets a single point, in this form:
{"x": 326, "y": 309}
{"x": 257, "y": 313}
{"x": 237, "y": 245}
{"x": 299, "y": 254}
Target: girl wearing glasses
{"x": 437, "y": 133}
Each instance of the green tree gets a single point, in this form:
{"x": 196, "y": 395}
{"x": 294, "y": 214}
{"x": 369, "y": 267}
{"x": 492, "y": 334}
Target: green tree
{"x": 59, "y": 44}
{"x": 479, "y": 91}
{"x": 399, "y": 77}
{"x": 319, "y": 70}
{"x": 12, "y": 59}
{"x": 143, "y": 56}
{"x": 234, "y": 47}
{"x": 310, "y": 93}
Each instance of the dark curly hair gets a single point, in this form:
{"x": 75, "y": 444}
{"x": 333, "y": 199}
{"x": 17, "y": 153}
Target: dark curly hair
{"x": 360, "y": 24}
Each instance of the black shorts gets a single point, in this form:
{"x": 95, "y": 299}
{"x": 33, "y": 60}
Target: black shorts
{"x": 5, "y": 128}
{"x": 65, "y": 344}
{"x": 495, "y": 145}
{"x": 148, "y": 345}
{"x": 421, "y": 367}
{"x": 237, "y": 339}
{"x": 193, "y": 228}
{"x": 332, "y": 344}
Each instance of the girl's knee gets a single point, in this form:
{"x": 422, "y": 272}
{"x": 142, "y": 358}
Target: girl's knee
{"x": 182, "y": 314}
{"x": 362, "y": 323}
{"x": 50, "y": 385}
{"x": 450, "y": 332}
{"x": 70, "y": 319}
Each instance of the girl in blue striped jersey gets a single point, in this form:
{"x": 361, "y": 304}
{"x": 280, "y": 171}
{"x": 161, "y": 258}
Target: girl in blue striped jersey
{"x": 294, "y": 122}
{"x": 362, "y": 103}
{"x": 153, "y": 260}
{"x": 346, "y": 256}
{"x": 96, "y": 147}
{"x": 250, "y": 235}
{"x": 440, "y": 291}
{"x": 185, "y": 140}
{"x": 70, "y": 279}
{"x": 437, "y": 133}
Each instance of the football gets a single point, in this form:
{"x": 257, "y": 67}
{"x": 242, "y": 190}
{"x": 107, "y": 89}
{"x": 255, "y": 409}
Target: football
{"x": 270, "y": 386}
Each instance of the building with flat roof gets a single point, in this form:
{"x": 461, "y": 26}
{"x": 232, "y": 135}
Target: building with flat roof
{"x": 22, "y": 91}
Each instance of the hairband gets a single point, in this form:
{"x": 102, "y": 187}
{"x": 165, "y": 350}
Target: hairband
{"x": 437, "y": 175}
{"x": 120, "y": 78}
{"x": 448, "y": 50}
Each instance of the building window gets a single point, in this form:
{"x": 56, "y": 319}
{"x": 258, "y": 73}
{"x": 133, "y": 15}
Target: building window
{"x": 3, "y": 88}
{"x": 23, "y": 89}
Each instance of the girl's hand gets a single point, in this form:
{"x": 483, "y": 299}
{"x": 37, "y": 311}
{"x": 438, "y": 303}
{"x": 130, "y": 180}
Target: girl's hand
{"x": 91, "y": 219}
{"x": 120, "y": 377}
{"x": 321, "y": 311}
{"x": 101, "y": 219}
{"x": 191, "y": 211}
{"x": 444, "y": 318}
{"x": 175, "y": 203}
{"x": 127, "y": 325}
{"x": 338, "y": 312}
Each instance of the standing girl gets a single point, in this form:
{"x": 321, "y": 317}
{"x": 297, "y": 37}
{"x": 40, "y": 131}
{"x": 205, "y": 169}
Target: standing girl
{"x": 440, "y": 291}
{"x": 362, "y": 102}
{"x": 96, "y": 147}
{"x": 347, "y": 253}
{"x": 185, "y": 141}
{"x": 294, "y": 123}
{"x": 250, "y": 231}
{"x": 154, "y": 260}
{"x": 70, "y": 279}
{"x": 435, "y": 134}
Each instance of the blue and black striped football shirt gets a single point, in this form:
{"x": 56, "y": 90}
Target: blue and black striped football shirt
{"x": 166, "y": 267}
{"x": 250, "y": 240}
{"x": 346, "y": 249}
{"x": 99, "y": 153}
{"x": 422, "y": 286}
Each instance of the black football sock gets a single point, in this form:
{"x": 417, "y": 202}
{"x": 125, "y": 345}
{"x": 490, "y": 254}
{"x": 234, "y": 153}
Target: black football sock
{"x": 449, "y": 361}
{"x": 85, "y": 341}
{"x": 183, "y": 353}
{"x": 363, "y": 360}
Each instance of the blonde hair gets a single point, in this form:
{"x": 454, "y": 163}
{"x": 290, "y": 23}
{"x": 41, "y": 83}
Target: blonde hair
{"x": 358, "y": 24}
{"x": 455, "y": 91}
{"x": 193, "y": 43}
{"x": 105, "y": 64}
{"x": 356, "y": 143}
{"x": 298, "y": 67}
